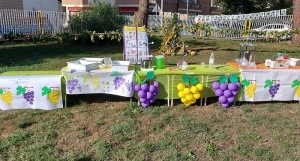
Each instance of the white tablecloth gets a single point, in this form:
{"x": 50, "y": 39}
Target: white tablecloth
{"x": 25, "y": 92}
{"x": 284, "y": 78}
{"x": 99, "y": 81}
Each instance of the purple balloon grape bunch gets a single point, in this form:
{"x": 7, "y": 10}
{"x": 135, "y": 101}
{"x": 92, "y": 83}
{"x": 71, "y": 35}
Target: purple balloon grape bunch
{"x": 226, "y": 92}
{"x": 147, "y": 93}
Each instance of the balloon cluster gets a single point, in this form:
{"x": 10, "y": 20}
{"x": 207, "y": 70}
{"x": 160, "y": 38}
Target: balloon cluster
{"x": 189, "y": 95}
{"x": 147, "y": 93}
{"x": 226, "y": 92}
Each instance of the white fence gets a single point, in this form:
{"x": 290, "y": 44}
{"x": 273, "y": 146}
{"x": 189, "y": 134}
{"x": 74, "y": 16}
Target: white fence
{"x": 31, "y": 22}
{"x": 49, "y": 22}
{"x": 154, "y": 20}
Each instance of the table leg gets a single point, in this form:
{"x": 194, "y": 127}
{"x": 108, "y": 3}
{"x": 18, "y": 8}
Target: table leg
{"x": 66, "y": 100}
{"x": 130, "y": 102}
{"x": 172, "y": 90}
{"x": 168, "y": 91}
{"x": 201, "y": 101}
{"x": 205, "y": 101}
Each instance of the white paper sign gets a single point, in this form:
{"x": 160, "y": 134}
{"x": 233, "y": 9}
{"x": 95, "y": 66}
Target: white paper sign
{"x": 135, "y": 44}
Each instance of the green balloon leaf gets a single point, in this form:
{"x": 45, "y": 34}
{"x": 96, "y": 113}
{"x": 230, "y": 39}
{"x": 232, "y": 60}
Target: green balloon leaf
{"x": 194, "y": 80}
{"x": 1, "y": 91}
{"x": 268, "y": 83}
{"x": 150, "y": 75}
{"x": 223, "y": 79}
{"x": 296, "y": 83}
{"x": 144, "y": 81}
{"x": 233, "y": 78}
{"x": 185, "y": 78}
{"x": 245, "y": 82}
{"x": 20, "y": 90}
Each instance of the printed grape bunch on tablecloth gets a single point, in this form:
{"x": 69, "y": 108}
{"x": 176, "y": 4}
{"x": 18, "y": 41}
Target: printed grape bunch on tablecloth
{"x": 250, "y": 87}
{"x": 146, "y": 92}
{"x": 226, "y": 89}
{"x": 190, "y": 93}
{"x": 6, "y": 95}
{"x": 52, "y": 94}
{"x": 273, "y": 86}
{"x": 296, "y": 84}
{"x": 72, "y": 84}
{"x": 27, "y": 92}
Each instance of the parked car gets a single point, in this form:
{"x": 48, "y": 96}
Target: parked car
{"x": 275, "y": 27}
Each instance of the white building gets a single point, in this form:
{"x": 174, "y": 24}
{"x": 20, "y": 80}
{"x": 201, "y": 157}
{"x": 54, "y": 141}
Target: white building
{"x": 43, "y": 5}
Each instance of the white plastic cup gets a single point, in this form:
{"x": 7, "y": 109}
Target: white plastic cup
{"x": 202, "y": 65}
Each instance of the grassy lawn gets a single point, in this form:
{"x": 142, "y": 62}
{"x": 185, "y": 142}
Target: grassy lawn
{"x": 101, "y": 127}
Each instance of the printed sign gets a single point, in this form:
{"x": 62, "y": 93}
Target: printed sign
{"x": 135, "y": 44}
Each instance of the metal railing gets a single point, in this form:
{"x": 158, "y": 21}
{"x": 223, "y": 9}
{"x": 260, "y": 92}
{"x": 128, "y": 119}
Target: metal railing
{"x": 32, "y": 22}
{"x": 50, "y": 22}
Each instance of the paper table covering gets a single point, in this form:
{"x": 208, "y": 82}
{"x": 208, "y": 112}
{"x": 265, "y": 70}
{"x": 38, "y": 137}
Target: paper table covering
{"x": 265, "y": 84}
{"x": 99, "y": 81}
{"x": 35, "y": 92}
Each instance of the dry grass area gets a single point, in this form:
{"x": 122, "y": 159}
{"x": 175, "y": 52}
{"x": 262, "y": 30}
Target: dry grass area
{"x": 102, "y": 127}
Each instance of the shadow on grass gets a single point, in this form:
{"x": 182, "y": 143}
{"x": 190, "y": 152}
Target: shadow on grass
{"x": 73, "y": 100}
{"x": 29, "y": 54}
{"x": 195, "y": 42}
{"x": 242, "y": 103}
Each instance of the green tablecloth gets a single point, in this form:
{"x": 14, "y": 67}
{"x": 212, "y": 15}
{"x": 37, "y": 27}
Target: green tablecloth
{"x": 170, "y": 79}
{"x": 24, "y": 73}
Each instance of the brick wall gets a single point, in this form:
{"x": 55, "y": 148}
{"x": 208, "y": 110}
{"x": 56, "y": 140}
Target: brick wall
{"x": 11, "y": 4}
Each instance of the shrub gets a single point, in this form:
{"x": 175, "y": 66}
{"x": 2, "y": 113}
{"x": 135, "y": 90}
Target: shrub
{"x": 100, "y": 17}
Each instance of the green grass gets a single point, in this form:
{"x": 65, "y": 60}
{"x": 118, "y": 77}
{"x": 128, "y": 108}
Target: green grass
{"x": 101, "y": 127}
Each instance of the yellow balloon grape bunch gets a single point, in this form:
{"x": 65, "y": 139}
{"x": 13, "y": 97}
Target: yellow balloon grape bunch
{"x": 189, "y": 95}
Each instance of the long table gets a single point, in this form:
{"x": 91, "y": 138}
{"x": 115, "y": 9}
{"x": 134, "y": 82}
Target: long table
{"x": 31, "y": 90}
{"x": 267, "y": 84}
{"x": 170, "y": 79}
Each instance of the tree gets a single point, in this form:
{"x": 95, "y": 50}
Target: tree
{"x": 251, "y": 6}
{"x": 142, "y": 16}
{"x": 296, "y": 22}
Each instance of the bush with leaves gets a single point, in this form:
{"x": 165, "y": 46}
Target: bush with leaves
{"x": 100, "y": 17}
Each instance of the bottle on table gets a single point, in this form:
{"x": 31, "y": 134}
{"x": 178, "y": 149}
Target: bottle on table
{"x": 211, "y": 60}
